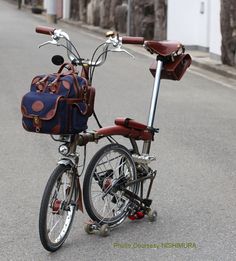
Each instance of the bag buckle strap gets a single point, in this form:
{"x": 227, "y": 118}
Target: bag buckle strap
{"x": 37, "y": 123}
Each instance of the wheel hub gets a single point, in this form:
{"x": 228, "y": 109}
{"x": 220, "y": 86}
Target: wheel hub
{"x": 107, "y": 183}
{"x": 56, "y": 206}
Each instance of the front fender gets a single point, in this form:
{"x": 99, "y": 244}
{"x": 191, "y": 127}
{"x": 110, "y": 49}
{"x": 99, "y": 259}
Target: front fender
{"x": 67, "y": 161}
{"x": 70, "y": 161}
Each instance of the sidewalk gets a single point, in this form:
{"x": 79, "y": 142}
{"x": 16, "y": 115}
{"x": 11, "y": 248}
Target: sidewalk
{"x": 203, "y": 60}
{"x": 199, "y": 58}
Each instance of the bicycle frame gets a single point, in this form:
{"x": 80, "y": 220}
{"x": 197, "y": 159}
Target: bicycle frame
{"x": 135, "y": 132}
{"x": 122, "y": 175}
{"x": 146, "y": 134}
{"x": 170, "y": 59}
{"x": 170, "y": 53}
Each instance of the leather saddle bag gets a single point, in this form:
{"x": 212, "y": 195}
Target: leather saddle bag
{"x": 58, "y": 103}
{"x": 173, "y": 69}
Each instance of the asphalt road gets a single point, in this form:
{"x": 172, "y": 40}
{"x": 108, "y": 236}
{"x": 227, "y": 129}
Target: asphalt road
{"x": 194, "y": 192}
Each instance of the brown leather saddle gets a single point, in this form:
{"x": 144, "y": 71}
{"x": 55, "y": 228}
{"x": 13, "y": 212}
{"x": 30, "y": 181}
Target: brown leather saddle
{"x": 163, "y": 48}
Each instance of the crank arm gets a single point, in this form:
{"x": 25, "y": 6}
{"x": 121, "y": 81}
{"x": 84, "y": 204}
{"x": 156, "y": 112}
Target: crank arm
{"x": 141, "y": 203}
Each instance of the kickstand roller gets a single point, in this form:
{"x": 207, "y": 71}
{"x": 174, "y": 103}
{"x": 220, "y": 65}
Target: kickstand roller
{"x": 92, "y": 227}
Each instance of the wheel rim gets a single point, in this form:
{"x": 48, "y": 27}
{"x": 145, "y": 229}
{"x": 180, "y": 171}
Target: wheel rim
{"x": 108, "y": 203}
{"x": 59, "y": 212}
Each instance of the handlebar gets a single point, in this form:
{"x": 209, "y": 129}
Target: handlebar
{"x": 132, "y": 40}
{"x": 45, "y": 30}
{"x": 114, "y": 41}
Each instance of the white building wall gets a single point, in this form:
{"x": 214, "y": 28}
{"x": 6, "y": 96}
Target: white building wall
{"x": 177, "y": 19}
{"x": 215, "y": 33}
{"x": 203, "y": 14}
{"x": 195, "y": 23}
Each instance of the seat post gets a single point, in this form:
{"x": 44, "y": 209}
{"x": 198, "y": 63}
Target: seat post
{"x": 153, "y": 106}
{"x": 155, "y": 93}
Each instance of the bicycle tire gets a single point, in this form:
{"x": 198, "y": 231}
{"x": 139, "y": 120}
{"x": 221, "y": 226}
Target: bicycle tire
{"x": 52, "y": 205}
{"x": 101, "y": 173}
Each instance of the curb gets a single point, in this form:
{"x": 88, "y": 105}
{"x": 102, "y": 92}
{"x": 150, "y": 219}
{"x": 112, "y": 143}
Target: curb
{"x": 91, "y": 28}
{"x": 213, "y": 66}
{"x": 224, "y": 70}
{"x": 210, "y": 65}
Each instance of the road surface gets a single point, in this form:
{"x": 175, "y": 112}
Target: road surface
{"x": 194, "y": 192}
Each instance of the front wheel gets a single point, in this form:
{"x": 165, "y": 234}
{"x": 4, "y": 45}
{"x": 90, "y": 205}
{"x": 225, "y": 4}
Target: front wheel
{"x": 57, "y": 208}
{"x": 105, "y": 180}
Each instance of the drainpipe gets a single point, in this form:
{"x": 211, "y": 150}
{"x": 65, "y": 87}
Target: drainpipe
{"x": 66, "y": 9}
{"x": 51, "y": 7}
{"x": 45, "y": 4}
{"x": 129, "y": 18}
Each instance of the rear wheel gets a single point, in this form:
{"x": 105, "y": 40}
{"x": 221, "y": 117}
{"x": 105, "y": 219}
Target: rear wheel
{"x": 57, "y": 208}
{"x": 104, "y": 183}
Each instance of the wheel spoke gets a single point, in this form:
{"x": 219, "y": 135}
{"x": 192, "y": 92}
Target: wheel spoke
{"x": 57, "y": 217}
{"x": 109, "y": 162}
{"x": 98, "y": 193}
{"x": 103, "y": 197}
{"x": 108, "y": 213}
{"x": 54, "y": 226}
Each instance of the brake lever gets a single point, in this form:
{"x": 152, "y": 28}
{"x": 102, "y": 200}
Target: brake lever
{"x": 48, "y": 42}
{"x": 119, "y": 49}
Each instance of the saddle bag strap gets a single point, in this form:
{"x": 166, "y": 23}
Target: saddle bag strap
{"x": 41, "y": 84}
{"x": 81, "y": 111}
{"x": 69, "y": 66}
{"x": 90, "y": 100}
{"x": 88, "y": 96}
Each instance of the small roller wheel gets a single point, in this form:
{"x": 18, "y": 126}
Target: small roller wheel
{"x": 152, "y": 215}
{"x": 88, "y": 228}
{"x": 104, "y": 230}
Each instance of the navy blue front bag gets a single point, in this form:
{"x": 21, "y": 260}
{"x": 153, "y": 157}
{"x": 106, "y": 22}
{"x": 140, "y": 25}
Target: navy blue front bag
{"x": 57, "y": 103}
